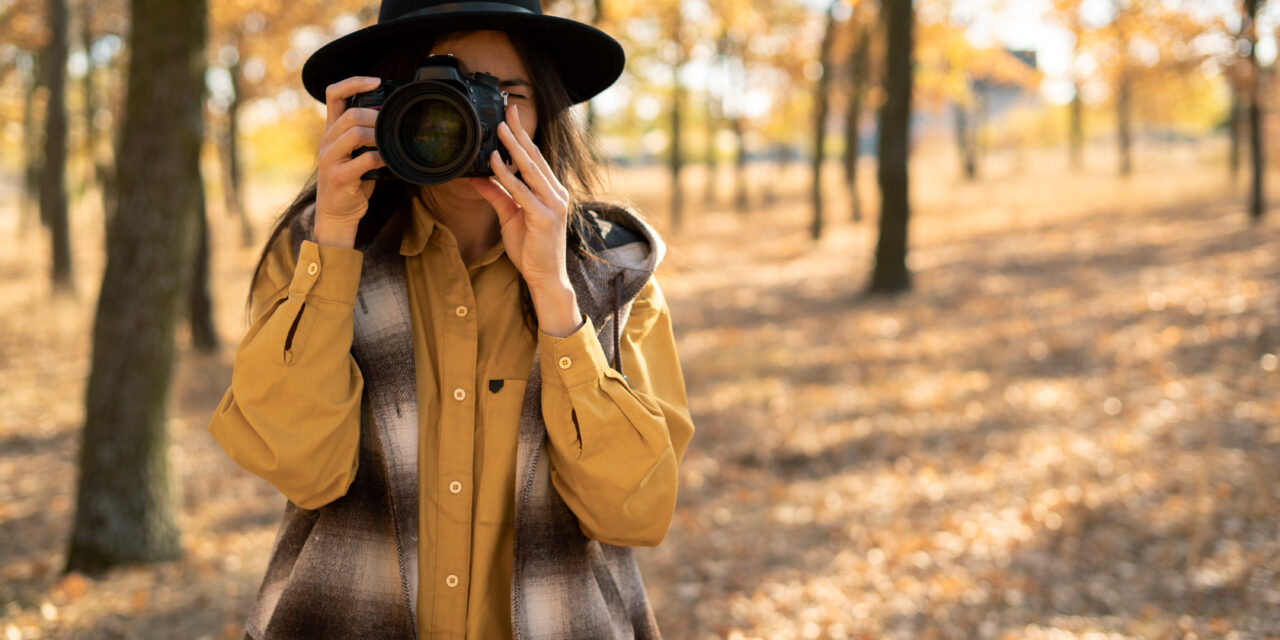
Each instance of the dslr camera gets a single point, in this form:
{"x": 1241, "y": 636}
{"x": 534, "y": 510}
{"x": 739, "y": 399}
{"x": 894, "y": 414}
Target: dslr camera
{"x": 437, "y": 127}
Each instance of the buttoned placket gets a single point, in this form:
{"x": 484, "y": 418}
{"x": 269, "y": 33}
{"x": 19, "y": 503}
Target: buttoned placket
{"x": 457, "y": 430}
{"x": 450, "y": 489}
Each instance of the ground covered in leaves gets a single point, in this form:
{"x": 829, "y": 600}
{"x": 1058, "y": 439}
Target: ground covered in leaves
{"x": 1069, "y": 429}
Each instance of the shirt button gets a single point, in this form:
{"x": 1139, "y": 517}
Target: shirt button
{"x": 459, "y": 395}
{"x": 455, "y": 487}
{"x": 566, "y": 362}
{"x": 451, "y": 580}
{"x": 313, "y": 269}
{"x": 461, "y": 311}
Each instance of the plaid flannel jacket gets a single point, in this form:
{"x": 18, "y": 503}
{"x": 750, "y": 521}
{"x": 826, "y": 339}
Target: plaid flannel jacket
{"x": 349, "y": 568}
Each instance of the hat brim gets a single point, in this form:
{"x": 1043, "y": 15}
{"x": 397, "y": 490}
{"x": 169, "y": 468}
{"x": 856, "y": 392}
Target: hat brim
{"x": 589, "y": 59}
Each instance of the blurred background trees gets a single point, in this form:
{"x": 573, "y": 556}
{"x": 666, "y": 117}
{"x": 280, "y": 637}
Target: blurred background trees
{"x": 745, "y": 73}
{"x": 125, "y": 509}
{"x": 890, "y": 273}
{"x": 731, "y": 99}
{"x": 1253, "y": 90}
{"x": 53, "y": 188}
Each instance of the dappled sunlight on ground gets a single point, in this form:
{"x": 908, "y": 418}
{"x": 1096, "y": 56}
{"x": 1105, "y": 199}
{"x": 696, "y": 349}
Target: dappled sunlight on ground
{"x": 1068, "y": 430}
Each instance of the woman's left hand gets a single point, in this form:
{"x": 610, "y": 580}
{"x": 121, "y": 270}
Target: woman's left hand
{"x": 533, "y": 210}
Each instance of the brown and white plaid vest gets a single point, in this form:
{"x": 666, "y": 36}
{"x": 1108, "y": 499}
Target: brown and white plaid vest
{"x": 349, "y": 569}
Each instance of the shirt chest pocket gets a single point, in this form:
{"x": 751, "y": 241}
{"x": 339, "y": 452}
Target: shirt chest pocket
{"x": 503, "y": 400}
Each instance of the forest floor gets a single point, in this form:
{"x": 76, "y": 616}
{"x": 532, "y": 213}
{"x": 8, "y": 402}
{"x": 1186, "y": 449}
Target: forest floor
{"x": 1070, "y": 428}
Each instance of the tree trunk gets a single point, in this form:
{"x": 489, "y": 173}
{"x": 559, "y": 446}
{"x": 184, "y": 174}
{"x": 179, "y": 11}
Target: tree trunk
{"x": 715, "y": 115}
{"x": 1077, "y": 130}
{"x": 107, "y": 175}
{"x": 976, "y": 124}
{"x": 1124, "y": 91}
{"x": 1257, "y": 194}
{"x": 53, "y": 180}
{"x": 33, "y": 157}
{"x": 87, "y": 100}
{"x": 676, "y": 159}
{"x": 741, "y": 199}
{"x": 199, "y": 303}
{"x": 1235, "y": 126}
{"x": 709, "y": 188}
{"x": 1124, "y": 116}
{"x": 820, "y": 120}
{"x": 39, "y": 135}
{"x": 890, "y": 273}
{"x": 233, "y": 190}
{"x": 1075, "y": 113}
{"x": 965, "y": 143}
{"x": 1257, "y": 198}
{"x": 124, "y": 504}
{"x": 853, "y": 118}
{"x": 768, "y": 188}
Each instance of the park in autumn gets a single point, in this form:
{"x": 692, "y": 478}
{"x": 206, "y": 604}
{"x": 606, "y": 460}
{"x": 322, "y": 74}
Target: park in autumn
{"x": 977, "y": 305}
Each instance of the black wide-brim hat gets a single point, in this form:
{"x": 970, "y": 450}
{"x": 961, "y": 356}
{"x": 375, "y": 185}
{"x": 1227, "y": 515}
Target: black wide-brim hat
{"x": 589, "y": 59}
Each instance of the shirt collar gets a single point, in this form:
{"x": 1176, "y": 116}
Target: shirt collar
{"x": 490, "y": 256}
{"x": 421, "y": 225}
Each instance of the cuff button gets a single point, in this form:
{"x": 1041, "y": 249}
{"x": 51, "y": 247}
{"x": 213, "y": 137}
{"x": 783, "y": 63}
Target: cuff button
{"x": 566, "y": 362}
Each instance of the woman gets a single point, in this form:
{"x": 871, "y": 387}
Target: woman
{"x": 469, "y": 392}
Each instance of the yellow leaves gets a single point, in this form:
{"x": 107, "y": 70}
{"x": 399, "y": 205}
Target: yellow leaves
{"x": 276, "y": 37}
{"x": 949, "y": 64}
{"x": 1149, "y": 43}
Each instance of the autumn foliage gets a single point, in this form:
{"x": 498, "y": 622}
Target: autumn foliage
{"x": 1063, "y": 426}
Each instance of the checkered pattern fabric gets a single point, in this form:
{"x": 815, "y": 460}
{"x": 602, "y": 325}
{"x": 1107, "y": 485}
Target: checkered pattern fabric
{"x": 349, "y": 568}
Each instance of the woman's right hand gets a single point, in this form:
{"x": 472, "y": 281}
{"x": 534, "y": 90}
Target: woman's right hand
{"x": 342, "y": 198}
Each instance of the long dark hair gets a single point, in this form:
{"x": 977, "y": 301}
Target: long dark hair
{"x": 567, "y": 145}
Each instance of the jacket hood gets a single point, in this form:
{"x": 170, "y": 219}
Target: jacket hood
{"x": 621, "y": 248}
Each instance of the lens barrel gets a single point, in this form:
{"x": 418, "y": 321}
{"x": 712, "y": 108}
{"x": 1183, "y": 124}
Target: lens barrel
{"x": 428, "y": 133}
{"x": 438, "y": 127}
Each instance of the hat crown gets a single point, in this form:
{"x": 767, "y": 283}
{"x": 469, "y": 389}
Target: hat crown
{"x": 589, "y": 59}
{"x": 395, "y": 9}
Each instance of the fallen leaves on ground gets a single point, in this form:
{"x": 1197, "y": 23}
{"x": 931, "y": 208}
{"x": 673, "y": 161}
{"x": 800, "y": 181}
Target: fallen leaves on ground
{"x": 1068, "y": 429}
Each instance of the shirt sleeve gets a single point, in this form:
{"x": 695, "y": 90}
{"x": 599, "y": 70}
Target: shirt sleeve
{"x": 616, "y": 443}
{"x": 292, "y": 412}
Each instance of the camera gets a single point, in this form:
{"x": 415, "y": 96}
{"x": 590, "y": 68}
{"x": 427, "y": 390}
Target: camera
{"x": 437, "y": 127}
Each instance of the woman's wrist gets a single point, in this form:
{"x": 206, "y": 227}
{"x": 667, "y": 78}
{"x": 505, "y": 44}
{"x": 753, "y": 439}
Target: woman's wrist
{"x": 557, "y": 308}
{"x": 331, "y": 235}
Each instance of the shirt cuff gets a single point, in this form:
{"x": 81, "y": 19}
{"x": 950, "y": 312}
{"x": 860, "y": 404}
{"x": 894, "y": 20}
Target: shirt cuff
{"x": 573, "y": 360}
{"x": 327, "y": 273}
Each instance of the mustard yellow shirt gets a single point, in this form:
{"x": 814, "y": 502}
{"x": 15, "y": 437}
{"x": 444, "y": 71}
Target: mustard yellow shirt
{"x": 299, "y": 428}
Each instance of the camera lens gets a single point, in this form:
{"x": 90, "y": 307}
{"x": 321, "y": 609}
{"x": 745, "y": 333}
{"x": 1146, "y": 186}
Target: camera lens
{"x": 429, "y": 131}
{"x": 435, "y": 133}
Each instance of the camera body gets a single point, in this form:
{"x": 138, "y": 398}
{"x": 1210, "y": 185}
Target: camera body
{"x": 439, "y": 126}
